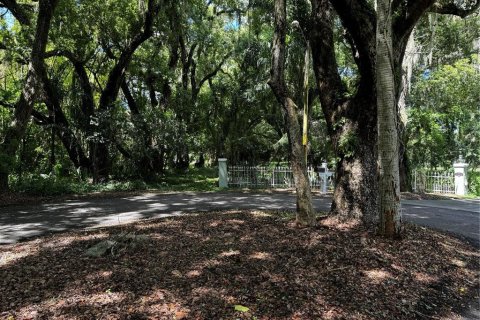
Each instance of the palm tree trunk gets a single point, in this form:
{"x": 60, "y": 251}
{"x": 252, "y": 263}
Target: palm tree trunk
{"x": 389, "y": 180}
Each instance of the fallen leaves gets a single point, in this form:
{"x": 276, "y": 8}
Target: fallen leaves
{"x": 229, "y": 265}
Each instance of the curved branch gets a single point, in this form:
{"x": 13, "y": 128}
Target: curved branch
{"x": 453, "y": 9}
{"x": 359, "y": 18}
{"x": 21, "y": 12}
{"x": 116, "y": 75}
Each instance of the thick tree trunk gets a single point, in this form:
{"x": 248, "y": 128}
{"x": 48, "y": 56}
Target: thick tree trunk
{"x": 100, "y": 162}
{"x": 389, "y": 180}
{"x": 182, "y": 161}
{"x": 351, "y": 122}
{"x": 356, "y": 186}
{"x": 350, "y": 119}
{"x": 305, "y": 213}
{"x": 24, "y": 106}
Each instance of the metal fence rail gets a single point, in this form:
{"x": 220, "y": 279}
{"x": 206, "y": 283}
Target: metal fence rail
{"x": 275, "y": 177}
{"x": 434, "y": 181}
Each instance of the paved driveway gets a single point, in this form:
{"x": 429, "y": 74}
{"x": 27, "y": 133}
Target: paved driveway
{"x": 461, "y": 217}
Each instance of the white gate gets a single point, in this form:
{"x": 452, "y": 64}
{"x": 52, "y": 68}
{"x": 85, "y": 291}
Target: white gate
{"x": 434, "y": 181}
{"x": 276, "y": 177}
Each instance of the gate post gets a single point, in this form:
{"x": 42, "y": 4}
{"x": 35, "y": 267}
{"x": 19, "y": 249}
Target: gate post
{"x": 222, "y": 173}
{"x": 461, "y": 184}
{"x": 325, "y": 177}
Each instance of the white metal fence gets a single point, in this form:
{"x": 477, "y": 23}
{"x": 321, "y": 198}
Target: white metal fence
{"x": 276, "y": 177}
{"x": 434, "y": 181}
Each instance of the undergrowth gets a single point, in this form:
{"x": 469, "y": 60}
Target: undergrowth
{"x": 204, "y": 179}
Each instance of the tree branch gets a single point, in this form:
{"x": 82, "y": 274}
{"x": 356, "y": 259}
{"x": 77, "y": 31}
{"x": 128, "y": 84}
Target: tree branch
{"x": 453, "y": 9}
{"x": 21, "y": 12}
{"x": 330, "y": 85}
{"x": 132, "y": 104}
{"x": 359, "y": 18}
{"x": 277, "y": 70}
{"x": 212, "y": 74}
{"x": 116, "y": 75}
{"x": 88, "y": 104}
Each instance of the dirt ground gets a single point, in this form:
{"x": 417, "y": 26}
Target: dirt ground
{"x": 238, "y": 265}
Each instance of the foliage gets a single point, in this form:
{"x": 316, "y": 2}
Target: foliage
{"x": 199, "y": 87}
{"x": 443, "y": 118}
{"x": 474, "y": 182}
{"x": 54, "y": 185}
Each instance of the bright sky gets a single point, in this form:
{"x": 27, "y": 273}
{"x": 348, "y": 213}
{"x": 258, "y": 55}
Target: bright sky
{"x": 7, "y": 16}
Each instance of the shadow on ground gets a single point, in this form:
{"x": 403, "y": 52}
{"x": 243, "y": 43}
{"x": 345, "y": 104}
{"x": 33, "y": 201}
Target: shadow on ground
{"x": 200, "y": 266}
{"x": 19, "y": 222}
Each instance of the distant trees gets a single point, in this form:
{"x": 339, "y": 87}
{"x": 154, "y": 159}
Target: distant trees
{"x": 36, "y": 69}
{"x": 443, "y": 115}
{"x": 149, "y": 86}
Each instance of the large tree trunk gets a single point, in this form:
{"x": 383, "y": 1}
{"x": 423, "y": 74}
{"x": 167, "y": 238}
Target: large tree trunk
{"x": 351, "y": 122}
{"x": 24, "y": 106}
{"x": 305, "y": 213}
{"x": 389, "y": 180}
{"x": 3, "y": 182}
{"x": 356, "y": 186}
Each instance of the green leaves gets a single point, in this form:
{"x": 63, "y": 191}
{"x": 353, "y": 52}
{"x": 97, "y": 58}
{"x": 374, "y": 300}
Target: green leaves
{"x": 240, "y": 308}
{"x": 442, "y": 120}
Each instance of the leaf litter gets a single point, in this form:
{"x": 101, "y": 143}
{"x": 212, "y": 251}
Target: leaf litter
{"x": 238, "y": 265}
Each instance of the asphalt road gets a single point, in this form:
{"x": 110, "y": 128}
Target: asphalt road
{"x": 461, "y": 217}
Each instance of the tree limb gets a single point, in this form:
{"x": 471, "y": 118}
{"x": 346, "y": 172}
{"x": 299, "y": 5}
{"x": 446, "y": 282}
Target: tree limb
{"x": 359, "y": 18}
{"x": 21, "y": 12}
{"x": 116, "y": 75}
{"x": 210, "y": 75}
{"x": 453, "y": 9}
{"x": 325, "y": 65}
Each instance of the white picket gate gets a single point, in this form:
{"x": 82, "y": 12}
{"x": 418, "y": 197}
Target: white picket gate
{"x": 275, "y": 177}
{"x": 434, "y": 181}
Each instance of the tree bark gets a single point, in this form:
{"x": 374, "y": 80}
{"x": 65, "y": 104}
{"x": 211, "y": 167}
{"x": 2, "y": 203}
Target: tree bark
{"x": 351, "y": 121}
{"x": 389, "y": 179}
{"x": 305, "y": 214}
{"x": 405, "y": 75}
{"x": 24, "y": 106}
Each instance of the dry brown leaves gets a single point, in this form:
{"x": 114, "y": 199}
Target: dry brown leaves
{"x": 200, "y": 266}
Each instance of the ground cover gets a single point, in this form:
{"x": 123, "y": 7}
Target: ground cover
{"x": 47, "y": 188}
{"x": 238, "y": 264}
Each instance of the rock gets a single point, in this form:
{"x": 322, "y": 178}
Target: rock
{"x": 101, "y": 248}
{"x": 122, "y": 242}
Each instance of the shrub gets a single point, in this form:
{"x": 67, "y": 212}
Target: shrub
{"x": 474, "y": 182}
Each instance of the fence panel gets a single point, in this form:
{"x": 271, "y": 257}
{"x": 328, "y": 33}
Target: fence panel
{"x": 275, "y": 177}
{"x": 434, "y": 181}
